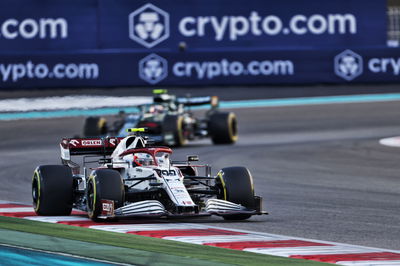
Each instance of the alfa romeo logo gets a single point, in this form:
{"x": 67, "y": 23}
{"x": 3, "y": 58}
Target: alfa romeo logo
{"x": 149, "y": 25}
{"x": 348, "y": 65}
{"x": 153, "y": 68}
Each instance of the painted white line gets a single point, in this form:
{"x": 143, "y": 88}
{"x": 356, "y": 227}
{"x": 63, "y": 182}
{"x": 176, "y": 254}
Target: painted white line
{"x": 56, "y": 219}
{"x": 392, "y": 142}
{"x": 18, "y": 209}
{"x": 70, "y": 102}
{"x": 123, "y": 228}
{"x": 9, "y": 202}
{"x": 370, "y": 263}
{"x": 71, "y": 106}
{"x": 222, "y": 238}
{"x": 309, "y": 250}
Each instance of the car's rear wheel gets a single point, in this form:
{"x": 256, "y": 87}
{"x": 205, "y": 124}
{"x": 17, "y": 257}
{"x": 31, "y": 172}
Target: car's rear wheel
{"x": 52, "y": 190}
{"x": 174, "y": 125}
{"x": 94, "y": 126}
{"x": 222, "y": 128}
{"x": 235, "y": 184}
{"x": 103, "y": 185}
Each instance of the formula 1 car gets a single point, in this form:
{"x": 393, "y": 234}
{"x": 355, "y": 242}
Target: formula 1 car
{"x": 170, "y": 121}
{"x": 134, "y": 179}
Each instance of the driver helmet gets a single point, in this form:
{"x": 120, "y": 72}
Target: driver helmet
{"x": 143, "y": 159}
{"x": 156, "y": 109}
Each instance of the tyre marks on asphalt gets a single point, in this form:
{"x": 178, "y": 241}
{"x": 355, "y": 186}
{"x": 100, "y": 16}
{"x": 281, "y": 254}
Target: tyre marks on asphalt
{"x": 262, "y": 243}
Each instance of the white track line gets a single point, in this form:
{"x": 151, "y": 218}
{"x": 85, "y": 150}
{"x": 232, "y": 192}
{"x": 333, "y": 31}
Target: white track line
{"x": 392, "y": 142}
{"x": 70, "y": 102}
{"x": 123, "y": 228}
{"x": 370, "y": 263}
{"x": 222, "y": 238}
{"x": 17, "y": 209}
{"x": 310, "y": 250}
{"x": 56, "y": 219}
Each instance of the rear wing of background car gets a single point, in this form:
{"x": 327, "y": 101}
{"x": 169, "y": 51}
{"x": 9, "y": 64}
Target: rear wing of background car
{"x": 194, "y": 101}
{"x": 87, "y": 146}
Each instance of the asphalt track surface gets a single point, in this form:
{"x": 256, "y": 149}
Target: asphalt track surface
{"x": 320, "y": 168}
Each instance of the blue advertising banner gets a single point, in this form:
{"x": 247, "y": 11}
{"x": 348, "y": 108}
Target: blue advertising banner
{"x": 77, "y": 43}
{"x": 201, "y": 68}
{"x": 30, "y": 25}
{"x": 247, "y": 24}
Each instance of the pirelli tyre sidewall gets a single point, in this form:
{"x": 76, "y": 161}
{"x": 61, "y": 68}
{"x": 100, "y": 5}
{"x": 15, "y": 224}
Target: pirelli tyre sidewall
{"x": 94, "y": 126}
{"x": 174, "y": 124}
{"x": 52, "y": 190}
{"x": 235, "y": 184}
{"x": 103, "y": 184}
{"x": 222, "y": 128}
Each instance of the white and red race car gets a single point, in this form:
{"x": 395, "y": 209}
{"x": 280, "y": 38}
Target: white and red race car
{"x": 133, "y": 178}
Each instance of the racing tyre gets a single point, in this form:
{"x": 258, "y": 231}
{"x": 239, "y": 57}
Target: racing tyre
{"x": 94, "y": 126}
{"x": 103, "y": 184}
{"x": 173, "y": 124}
{"x": 236, "y": 185}
{"x": 222, "y": 127}
{"x": 52, "y": 190}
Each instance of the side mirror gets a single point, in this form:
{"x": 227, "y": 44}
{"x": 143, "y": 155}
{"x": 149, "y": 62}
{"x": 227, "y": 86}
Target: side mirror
{"x": 193, "y": 158}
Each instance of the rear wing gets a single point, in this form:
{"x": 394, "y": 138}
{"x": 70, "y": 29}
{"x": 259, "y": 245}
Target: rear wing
{"x": 194, "y": 101}
{"x": 88, "y": 146}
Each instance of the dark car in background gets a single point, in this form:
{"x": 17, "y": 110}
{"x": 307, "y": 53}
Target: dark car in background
{"x": 169, "y": 120}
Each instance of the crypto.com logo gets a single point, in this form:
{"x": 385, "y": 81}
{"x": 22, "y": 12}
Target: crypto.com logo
{"x": 148, "y": 25}
{"x": 348, "y": 65}
{"x": 153, "y": 68}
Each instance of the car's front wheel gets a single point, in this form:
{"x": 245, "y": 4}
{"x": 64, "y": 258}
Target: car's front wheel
{"x": 103, "y": 186}
{"x": 235, "y": 184}
{"x": 52, "y": 190}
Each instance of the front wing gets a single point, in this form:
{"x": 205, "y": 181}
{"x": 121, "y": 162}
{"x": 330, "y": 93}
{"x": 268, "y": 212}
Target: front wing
{"x": 154, "y": 208}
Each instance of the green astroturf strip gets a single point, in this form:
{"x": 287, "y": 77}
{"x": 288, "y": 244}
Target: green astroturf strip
{"x": 95, "y": 251}
{"x": 126, "y": 248}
